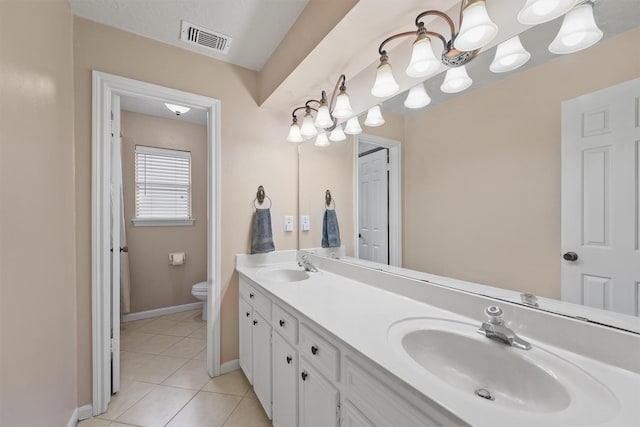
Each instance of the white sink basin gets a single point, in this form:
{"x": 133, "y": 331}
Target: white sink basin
{"x": 283, "y": 274}
{"x": 484, "y": 372}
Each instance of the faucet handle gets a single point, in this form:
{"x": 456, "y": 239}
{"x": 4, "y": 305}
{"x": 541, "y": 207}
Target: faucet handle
{"x": 495, "y": 314}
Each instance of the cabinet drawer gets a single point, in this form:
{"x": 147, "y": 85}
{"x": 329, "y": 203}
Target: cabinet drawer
{"x": 320, "y": 352}
{"x": 257, "y": 299}
{"x": 285, "y": 324}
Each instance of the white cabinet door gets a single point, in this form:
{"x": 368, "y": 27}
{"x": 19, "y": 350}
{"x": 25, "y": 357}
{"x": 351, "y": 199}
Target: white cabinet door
{"x": 285, "y": 383}
{"x": 245, "y": 318}
{"x": 319, "y": 399}
{"x": 261, "y": 356}
{"x": 351, "y": 417}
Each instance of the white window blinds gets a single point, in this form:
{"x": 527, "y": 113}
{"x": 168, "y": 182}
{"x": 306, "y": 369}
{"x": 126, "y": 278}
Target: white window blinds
{"x": 163, "y": 183}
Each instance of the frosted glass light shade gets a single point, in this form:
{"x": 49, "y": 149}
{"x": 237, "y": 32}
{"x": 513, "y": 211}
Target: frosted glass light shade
{"x": 321, "y": 140}
{"x": 423, "y": 61}
{"x": 538, "y": 11}
{"x": 308, "y": 129}
{"x": 178, "y": 109}
{"x": 385, "y": 84}
{"x": 417, "y": 97}
{"x": 323, "y": 118}
{"x": 477, "y": 28}
{"x": 294, "y": 134}
{"x": 353, "y": 126}
{"x": 509, "y": 56}
{"x": 343, "y": 109}
{"x": 579, "y": 31}
{"x": 337, "y": 134}
{"x": 456, "y": 80}
{"x": 374, "y": 117}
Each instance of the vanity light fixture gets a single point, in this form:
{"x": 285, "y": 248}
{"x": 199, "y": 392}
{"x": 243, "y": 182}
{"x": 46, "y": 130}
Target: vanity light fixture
{"x": 539, "y": 11}
{"x": 177, "y": 109}
{"x": 578, "y": 31}
{"x": 353, "y": 126}
{"x": 326, "y": 114}
{"x": 418, "y": 97}
{"x": 337, "y": 134}
{"x": 509, "y": 56}
{"x": 374, "y": 117}
{"x": 322, "y": 140}
{"x": 456, "y": 80}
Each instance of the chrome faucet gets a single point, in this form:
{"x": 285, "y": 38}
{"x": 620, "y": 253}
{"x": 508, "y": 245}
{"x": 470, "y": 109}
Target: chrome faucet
{"x": 308, "y": 266}
{"x": 495, "y": 329}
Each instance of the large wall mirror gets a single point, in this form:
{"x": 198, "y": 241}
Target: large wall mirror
{"x": 480, "y": 196}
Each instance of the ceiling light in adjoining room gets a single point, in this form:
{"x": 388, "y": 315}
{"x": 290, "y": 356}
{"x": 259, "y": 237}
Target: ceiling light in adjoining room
{"x": 456, "y": 80}
{"x": 177, "y": 109}
{"x": 578, "y": 31}
{"x": 353, "y": 126}
{"x": 509, "y": 56}
{"x": 417, "y": 97}
{"x": 321, "y": 140}
{"x": 539, "y": 11}
{"x": 326, "y": 114}
{"x": 374, "y": 117}
{"x": 337, "y": 134}
{"x": 476, "y": 28}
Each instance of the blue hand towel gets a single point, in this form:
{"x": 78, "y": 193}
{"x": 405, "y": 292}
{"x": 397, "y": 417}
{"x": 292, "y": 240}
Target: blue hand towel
{"x": 330, "y": 230}
{"x": 262, "y": 238}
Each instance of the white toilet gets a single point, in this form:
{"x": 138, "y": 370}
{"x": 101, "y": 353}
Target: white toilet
{"x": 199, "y": 291}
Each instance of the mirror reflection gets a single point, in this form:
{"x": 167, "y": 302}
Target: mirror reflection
{"x": 489, "y": 188}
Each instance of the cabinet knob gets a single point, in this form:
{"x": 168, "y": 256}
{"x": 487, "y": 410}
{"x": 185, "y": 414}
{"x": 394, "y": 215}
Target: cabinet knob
{"x": 255, "y": 322}
{"x": 314, "y": 350}
{"x": 304, "y": 375}
{"x": 289, "y": 359}
{"x": 251, "y": 295}
{"x": 248, "y": 314}
{"x": 281, "y": 323}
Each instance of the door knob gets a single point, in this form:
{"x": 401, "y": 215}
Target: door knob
{"x": 124, "y": 249}
{"x": 570, "y": 256}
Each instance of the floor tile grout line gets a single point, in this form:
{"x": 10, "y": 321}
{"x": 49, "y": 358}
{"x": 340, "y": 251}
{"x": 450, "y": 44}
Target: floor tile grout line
{"x": 181, "y": 408}
{"x": 232, "y": 412}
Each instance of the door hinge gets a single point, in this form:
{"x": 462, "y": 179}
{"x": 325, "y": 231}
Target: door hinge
{"x": 338, "y": 414}
{"x": 111, "y": 129}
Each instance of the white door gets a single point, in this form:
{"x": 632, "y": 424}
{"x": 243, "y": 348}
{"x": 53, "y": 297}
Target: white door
{"x": 285, "y": 383}
{"x": 319, "y": 399}
{"x": 600, "y": 199}
{"x": 261, "y": 357}
{"x": 373, "y": 207}
{"x": 116, "y": 221}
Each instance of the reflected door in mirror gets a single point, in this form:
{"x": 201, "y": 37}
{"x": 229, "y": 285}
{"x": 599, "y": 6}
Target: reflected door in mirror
{"x": 373, "y": 207}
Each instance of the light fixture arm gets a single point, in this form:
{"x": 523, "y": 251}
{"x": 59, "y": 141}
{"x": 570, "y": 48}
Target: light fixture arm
{"x": 442, "y": 15}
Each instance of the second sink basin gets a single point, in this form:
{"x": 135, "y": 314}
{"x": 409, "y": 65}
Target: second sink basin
{"x": 283, "y": 274}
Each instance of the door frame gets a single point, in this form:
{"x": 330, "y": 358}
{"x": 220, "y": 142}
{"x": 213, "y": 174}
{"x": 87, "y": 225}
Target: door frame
{"x": 103, "y": 86}
{"x": 395, "y": 194}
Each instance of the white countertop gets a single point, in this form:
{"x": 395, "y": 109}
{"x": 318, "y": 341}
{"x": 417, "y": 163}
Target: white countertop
{"x": 361, "y": 315}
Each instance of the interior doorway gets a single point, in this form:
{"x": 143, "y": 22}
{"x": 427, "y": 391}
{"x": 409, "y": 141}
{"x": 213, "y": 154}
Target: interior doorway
{"x": 106, "y": 222}
{"x": 378, "y": 200}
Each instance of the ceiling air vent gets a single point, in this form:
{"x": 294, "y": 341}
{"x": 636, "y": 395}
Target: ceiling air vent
{"x": 200, "y": 36}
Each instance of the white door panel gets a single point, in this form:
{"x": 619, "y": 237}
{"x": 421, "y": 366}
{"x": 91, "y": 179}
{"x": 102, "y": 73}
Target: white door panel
{"x": 373, "y": 208}
{"x": 600, "y": 198}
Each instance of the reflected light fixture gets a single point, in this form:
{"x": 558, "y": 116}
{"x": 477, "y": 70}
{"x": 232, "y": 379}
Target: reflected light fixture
{"x": 326, "y": 118}
{"x": 456, "y": 80}
{"x": 509, "y": 56}
{"x": 539, "y": 11}
{"x": 321, "y": 140}
{"x": 337, "y": 134}
{"x": 578, "y": 31}
{"x": 417, "y": 97}
{"x": 177, "y": 109}
{"x": 353, "y": 126}
{"x": 374, "y": 117}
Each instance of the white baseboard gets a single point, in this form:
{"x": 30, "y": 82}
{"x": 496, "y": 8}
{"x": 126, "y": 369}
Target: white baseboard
{"x": 81, "y": 413}
{"x": 161, "y": 311}
{"x": 230, "y": 366}
{"x": 74, "y": 418}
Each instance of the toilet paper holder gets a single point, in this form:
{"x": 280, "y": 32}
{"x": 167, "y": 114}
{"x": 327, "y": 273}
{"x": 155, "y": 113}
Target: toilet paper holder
{"x": 177, "y": 258}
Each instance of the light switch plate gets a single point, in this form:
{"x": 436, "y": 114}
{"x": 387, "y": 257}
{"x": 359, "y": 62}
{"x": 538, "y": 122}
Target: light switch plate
{"x": 305, "y": 223}
{"x": 288, "y": 223}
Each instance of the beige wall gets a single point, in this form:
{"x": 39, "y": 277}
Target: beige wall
{"x": 155, "y": 283}
{"x": 254, "y": 152}
{"x": 482, "y": 172}
{"x": 37, "y": 247}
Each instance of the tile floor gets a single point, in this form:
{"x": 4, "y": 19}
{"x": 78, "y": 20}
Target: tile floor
{"x": 164, "y": 381}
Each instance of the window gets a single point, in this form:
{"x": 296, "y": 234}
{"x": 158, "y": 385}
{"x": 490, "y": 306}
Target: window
{"x": 163, "y": 186}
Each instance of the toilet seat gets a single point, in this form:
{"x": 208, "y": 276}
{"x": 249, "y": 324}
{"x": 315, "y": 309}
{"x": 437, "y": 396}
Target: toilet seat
{"x": 200, "y": 288}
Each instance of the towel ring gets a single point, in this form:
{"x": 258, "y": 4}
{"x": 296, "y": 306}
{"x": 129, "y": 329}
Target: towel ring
{"x": 328, "y": 200}
{"x": 260, "y": 196}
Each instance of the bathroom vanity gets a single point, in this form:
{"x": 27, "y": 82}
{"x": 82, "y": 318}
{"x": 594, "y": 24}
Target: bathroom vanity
{"x": 349, "y": 345}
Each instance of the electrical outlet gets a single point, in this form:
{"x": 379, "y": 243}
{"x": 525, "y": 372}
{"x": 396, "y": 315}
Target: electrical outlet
{"x": 305, "y": 223}
{"x": 288, "y": 223}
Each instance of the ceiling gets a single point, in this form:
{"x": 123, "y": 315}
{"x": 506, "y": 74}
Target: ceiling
{"x": 155, "y": 107}
{"x": 255, "y": 26}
